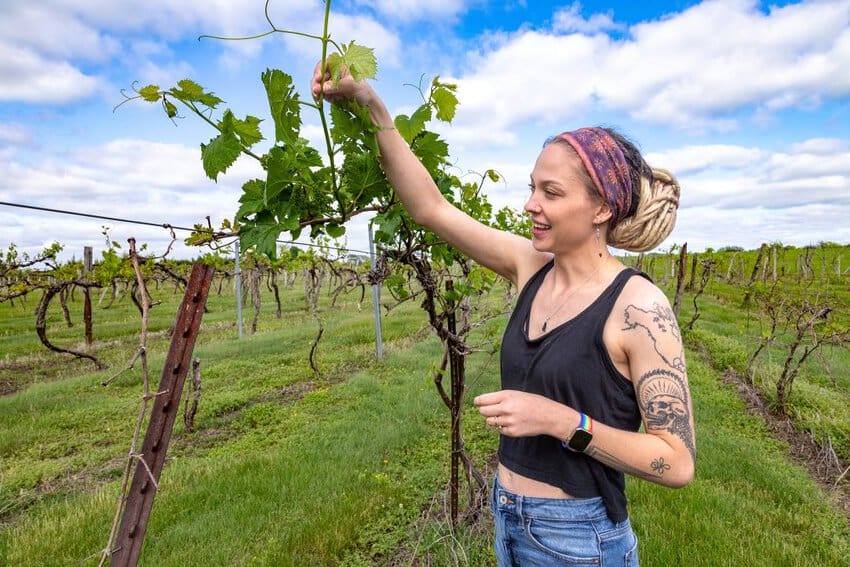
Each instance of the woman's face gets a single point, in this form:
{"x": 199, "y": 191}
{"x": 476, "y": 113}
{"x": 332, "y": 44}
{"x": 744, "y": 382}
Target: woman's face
{"x": 562, "y": 213}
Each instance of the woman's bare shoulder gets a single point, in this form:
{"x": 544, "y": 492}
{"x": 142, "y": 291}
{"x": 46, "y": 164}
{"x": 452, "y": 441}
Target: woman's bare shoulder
{"x": 529, "y": 263}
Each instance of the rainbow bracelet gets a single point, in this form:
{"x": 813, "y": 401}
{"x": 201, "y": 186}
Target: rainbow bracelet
{"x": 584, "y": 423}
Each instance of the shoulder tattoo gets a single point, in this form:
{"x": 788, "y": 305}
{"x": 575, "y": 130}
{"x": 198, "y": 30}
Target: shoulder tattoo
{"x": 658, "y": 320}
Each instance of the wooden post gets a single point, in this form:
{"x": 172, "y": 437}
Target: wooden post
{"x": 87, "y": 267}
{"x": 693, "y": 278}
{"x": 134, "y": 521}
{"x": 456, "y": 366}
{"x": 680, "y": 278}
{"x": 774, "y": 261}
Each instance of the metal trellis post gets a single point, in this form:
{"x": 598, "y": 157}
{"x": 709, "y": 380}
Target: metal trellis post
{"x": 376, "y": 301}
{"x": 131, "y": 534}
{"x": 238, "y": 253}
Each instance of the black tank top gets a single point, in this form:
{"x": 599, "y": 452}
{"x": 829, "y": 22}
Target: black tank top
{"x": 570, "y": 365}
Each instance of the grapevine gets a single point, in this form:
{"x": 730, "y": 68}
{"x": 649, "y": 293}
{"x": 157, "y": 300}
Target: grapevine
{"x": 301, "y": 189}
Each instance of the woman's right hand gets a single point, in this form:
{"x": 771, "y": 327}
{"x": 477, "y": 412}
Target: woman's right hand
{"x": 322, "y": 86}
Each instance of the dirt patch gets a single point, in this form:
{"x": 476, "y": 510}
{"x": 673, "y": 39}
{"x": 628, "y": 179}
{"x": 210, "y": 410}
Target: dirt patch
{"x": 7, "y": 387}
{"x": 824, "y": 466}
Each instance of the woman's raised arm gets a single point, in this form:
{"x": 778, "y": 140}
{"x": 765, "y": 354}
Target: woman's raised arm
{"x": 500, "y": 251}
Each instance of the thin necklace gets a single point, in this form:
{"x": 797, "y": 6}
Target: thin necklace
{"x": 564, "y": 302}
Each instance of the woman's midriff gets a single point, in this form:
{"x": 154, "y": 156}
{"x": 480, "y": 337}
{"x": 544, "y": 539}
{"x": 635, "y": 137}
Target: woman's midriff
{"x": 525, "y": 486}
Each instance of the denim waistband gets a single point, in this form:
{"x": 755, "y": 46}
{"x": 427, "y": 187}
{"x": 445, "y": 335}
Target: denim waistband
{"x": 579, "y": 509}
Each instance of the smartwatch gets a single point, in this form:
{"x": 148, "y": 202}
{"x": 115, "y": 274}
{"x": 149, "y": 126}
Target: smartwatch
{"x": 582, "y": 435}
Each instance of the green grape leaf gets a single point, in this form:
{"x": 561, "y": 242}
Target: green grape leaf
{"x": 362, "y": 177}
{"x": 220, "y": 154}
{"x": 431, "y": 150}
{"x": 410, "y": 127}
{"x": 396, "y": 283}
{"x": 252, "y": 200}
{"x": 198, "y": 237}
{"x": 345, "y": 126}
{"x": 283, "y": 103}
{"x": 188, "y": 90}
{"x": 444, "y": 98}
{"x": 279, "y": 166}
{"x": 306, "y": 155}
{"x": 150, "y": 93}
{"x": 360, "y": 62}
{"x": 353, "y": 126}
{"x": 334, "y": 230}
{"x": 262, "y": 233}
{"x": 388, "y": 224}
{"x": 210, "y": 100}
{"x": 248, "y": 130}
{"x": 291, "y": 223}
{"x": 442, "y": 253}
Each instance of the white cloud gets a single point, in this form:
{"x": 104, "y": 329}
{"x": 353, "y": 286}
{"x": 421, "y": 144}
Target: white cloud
{"x": 693, "y": 159}
{"x": 147, "y": 71}
{"x": 128, "y": 179}
{"x": 569, "y": 19}
{"x": 363, "y": 30}
{"x": 531, "y": 77}
{"x": 14, "y": 134}
{"x": 734, "y": 177}
{"x": 819, "y": 146}
{"x": 27, "y": 76}
{"x": 170, "y": 18}
{"x": 809, "y": 165}
{"x": 684, "y": 67}
{"x": 695, "y": 69}
{"x": 47, "y": 45}
{"x": 54, "y": 31}
{"x": 703, "y": 227}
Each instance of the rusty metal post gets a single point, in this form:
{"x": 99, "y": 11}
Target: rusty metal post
{"x": 131, "y": 534}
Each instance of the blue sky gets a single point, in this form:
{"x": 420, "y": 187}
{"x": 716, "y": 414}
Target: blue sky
{"x": 748, "y": 103}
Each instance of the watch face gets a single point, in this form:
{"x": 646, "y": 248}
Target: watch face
{"x": 580, "y": 440}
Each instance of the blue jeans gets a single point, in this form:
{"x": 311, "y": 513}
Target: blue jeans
{"x": 559, "y": 531}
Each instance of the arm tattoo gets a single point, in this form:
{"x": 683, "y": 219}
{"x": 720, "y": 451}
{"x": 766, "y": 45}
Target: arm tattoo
{"x": 659, "y": 466}
{"x": 613, "y": 462}
{"x": 664, "y": 321}
{"x": 663, "y": 400}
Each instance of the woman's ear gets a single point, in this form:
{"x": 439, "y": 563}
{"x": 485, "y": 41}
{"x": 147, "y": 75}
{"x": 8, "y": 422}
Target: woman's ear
{"x": 603, "y": 214}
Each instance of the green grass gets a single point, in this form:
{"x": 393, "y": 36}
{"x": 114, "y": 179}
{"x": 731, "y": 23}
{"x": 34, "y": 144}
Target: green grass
{"x": 285, "y": 469}
{"x": 820, "y": 398}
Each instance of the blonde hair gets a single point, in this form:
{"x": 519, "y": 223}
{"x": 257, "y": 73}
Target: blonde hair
{"x": 654, "y": 216}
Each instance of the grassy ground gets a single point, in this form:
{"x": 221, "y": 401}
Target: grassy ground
{"x": 820, "y": 397}
{"x": 350, "y": 469}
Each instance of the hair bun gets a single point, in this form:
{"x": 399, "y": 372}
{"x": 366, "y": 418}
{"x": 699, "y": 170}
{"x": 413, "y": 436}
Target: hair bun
{"x": 654, "y": 217}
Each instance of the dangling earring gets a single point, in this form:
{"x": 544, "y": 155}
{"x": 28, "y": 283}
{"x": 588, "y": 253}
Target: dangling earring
{"x": 599, "y": 240}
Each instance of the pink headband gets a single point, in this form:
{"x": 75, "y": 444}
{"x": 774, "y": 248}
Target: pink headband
{"x": 606, "y": 164}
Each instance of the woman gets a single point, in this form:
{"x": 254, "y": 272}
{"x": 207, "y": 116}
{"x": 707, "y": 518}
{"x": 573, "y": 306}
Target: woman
{"x": 591, "y": 351}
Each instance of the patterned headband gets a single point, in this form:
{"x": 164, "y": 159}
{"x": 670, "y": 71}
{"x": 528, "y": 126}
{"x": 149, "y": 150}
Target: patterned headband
{"x": 606, "y": 164}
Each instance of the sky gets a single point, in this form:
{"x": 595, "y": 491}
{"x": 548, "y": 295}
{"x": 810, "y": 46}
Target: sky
{"x": 747, "y": 103}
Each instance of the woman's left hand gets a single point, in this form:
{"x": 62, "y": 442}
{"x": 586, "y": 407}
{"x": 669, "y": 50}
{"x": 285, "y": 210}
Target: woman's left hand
{"x": 520, "y": 414}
